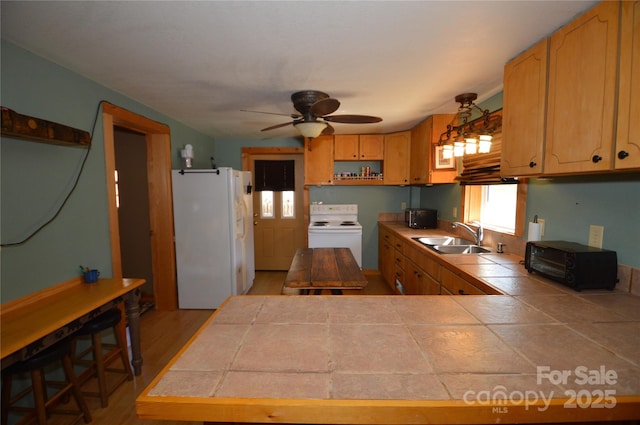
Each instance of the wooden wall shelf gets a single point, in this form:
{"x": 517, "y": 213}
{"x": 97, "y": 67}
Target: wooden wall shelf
{"x": 38, "y": 130}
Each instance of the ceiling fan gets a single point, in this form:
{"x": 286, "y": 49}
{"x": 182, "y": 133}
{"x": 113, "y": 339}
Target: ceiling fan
{"x": 314, "y": 109}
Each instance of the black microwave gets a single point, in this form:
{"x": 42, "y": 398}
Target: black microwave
{"x": 421, "y": 218}
{"x": 572, "y": 264}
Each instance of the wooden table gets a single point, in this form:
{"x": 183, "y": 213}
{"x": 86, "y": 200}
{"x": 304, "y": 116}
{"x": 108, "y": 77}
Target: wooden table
{"x": 32, "y": 323}
{"x": 316, "y": 269}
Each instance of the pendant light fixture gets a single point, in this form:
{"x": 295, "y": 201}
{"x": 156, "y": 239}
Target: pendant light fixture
{"x": 464, "y": 137}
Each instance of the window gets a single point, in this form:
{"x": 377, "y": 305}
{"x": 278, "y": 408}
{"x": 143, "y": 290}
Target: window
{"x": 498, "y": 207}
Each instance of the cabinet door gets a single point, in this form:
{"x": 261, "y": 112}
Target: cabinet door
{"x": 524, "y": 100}
{"x": 457, "y": 285}
{"x": 318, "y": 160}
{"x": 420, "y": 152}
{"x": 582, "y": 87}
{"x": 371, "y": 147}
{"x": 396, "y": 158}
{"x": 428, "y": 286}
{"x": 627, "y": 152}
{"x": 447, "y": 175}
{"x": 345, "y": 147}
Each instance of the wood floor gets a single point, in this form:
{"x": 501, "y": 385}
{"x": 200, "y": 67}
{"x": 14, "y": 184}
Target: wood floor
{"x": 163, "y": 334}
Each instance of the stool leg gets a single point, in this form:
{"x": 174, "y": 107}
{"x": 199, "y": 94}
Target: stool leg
{"x": 67, "y": 364}
{"x": 39, "y": 396}
{"x": 6, "y": 397}
{"x": 122, "y": 344}
{"x": 99, "y": 359}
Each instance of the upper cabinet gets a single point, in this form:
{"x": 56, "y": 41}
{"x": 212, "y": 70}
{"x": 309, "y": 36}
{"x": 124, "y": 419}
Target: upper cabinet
{"x": 424, "y": 140}
{"x": 569, "y": 101}
{"x": 523, "y": 112}
{"x": 318, "y": 160}
{"x": 627, "y": 152}
{"x": 397, "y": 153}
{"x": 363, "y": 147}
{"x": 583, "y": 58}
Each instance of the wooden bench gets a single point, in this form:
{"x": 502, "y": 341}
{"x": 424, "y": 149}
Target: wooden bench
{"x": 317, "y": 269}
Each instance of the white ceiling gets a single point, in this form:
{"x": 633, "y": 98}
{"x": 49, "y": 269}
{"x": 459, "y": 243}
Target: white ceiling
{"x": 201, "y": 62}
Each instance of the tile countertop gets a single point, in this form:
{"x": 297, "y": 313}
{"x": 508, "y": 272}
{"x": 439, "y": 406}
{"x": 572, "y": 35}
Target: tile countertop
{"x": 535, "y": 356}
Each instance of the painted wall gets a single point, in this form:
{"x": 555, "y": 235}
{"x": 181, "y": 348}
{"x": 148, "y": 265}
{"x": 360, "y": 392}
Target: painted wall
{"x": 36, "y": 177}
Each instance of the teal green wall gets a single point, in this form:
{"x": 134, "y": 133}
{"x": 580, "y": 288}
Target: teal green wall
{"x": 35, "y": 177}
{"x": 569, "y": 206}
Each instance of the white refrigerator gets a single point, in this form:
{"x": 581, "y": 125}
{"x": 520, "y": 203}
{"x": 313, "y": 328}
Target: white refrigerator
{"x": 213, "y": 231}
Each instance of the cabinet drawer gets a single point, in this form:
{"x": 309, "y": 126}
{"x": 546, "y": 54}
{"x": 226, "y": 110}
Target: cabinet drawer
{"x": 399, "y": 259}
{"x": 423, "y": 261}
{"x": 457, "y": 285}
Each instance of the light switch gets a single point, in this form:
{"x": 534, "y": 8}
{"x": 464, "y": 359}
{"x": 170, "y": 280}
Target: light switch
{"x": 596, "y": 234}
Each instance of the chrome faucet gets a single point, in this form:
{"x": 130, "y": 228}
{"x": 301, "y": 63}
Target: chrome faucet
{"x": 478, "y": 234}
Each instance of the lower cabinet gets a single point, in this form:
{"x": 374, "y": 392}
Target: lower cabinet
{"x": 452, "y": 284}
{"x": 409, "y": 271}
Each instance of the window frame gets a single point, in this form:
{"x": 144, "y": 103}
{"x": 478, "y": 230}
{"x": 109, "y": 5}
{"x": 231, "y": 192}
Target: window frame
{"x": 471, "y": 201}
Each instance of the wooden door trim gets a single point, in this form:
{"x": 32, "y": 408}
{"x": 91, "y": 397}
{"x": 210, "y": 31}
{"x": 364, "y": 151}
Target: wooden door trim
{"x": 158, "y": 141}
{"x": 246, "y": 166}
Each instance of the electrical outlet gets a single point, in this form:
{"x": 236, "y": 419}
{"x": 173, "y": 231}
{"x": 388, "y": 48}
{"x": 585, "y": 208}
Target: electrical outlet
{"x": 455, "y": 212}
{"x": 541, "y": 221}
{"x": 596, "y": 233}
{"x": 403, "y": 206}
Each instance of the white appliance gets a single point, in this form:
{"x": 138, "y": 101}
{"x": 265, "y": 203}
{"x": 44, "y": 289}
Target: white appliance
{"x": 212, "y": 212}
{"x": 336, "y": 226}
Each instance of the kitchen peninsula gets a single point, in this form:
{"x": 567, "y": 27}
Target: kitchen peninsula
{"x": 544, "y": 353}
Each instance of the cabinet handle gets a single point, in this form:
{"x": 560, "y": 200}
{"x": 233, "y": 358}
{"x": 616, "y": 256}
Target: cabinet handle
{"x": 596, "y": 159}
{"x": 623, "y": 154}
{"x": 461, "y": 292}
{"x": 532, "y": 164}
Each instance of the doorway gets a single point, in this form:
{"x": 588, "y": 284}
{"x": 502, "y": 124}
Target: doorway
{"x": 279, "y": 217}
{"x": 132, "y": 201}
{"x": 157, "y": 143}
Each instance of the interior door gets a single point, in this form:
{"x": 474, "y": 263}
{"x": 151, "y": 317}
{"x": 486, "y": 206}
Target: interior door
{"x": 278, "y": 218}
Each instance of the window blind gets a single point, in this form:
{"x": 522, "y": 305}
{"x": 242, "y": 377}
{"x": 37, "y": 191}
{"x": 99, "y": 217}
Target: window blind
{"x": 484, "y": 168}
{"x": 276, "y": 176}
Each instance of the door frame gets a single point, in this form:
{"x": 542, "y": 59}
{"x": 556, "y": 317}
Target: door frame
{"x": 158, "y": 142}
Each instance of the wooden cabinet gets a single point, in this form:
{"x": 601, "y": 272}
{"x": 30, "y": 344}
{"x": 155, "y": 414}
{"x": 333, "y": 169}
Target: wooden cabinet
{"x": 354, "y": 147}
{"x": 583, "y": 58}
{"x": 456, "y": 285}
{"x": 424, "y": 138}
{"x": 397, "y": 158}
{"x": 318, "y": 160}
{"x": 524, "y": 105}
{"x": 400, "y": 260}
{"x": 627, "y": 152}
{"x": 592, "y": 94}
{"x": 386, "y": 253}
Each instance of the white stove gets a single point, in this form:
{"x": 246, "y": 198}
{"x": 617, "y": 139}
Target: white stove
{"x": 336, "y": 226}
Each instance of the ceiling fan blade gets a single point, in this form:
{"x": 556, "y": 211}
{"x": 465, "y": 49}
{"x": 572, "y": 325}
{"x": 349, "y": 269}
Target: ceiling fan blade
{"x": 328, "y": 130}
{"x": 324, "y": 107}
{"x": 273, "y": 127}
{"x": 294, "y": 116}
{"x": 352, "y": 119}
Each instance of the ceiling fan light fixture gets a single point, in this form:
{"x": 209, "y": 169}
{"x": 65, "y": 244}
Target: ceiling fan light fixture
{"x": 310, "y": 129}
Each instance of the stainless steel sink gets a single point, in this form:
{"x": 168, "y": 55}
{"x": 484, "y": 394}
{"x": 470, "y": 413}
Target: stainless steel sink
{"x": 458, "y": 249}
{"x": 443, "y": 240}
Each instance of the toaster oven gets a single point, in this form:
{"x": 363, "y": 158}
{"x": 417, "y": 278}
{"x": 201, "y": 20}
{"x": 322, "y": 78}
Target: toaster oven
{"x": 572, "y": 264}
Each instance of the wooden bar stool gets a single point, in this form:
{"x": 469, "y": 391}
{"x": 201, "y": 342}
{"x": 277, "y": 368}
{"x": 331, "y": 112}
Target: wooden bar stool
{"x": 43, "y": 404}
{"x": 100, "y": 360}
